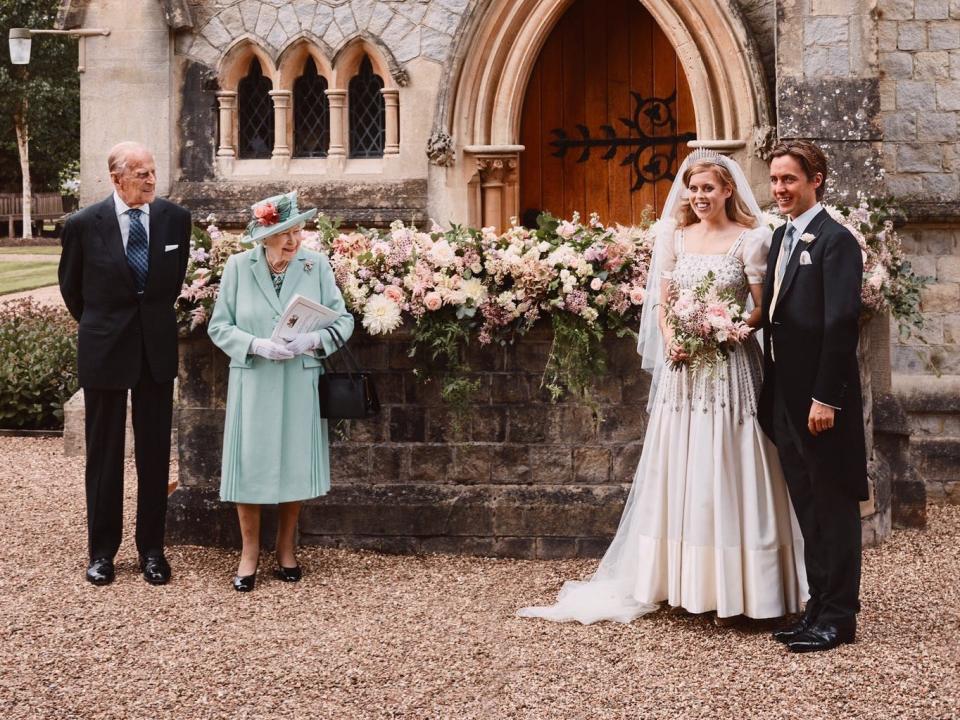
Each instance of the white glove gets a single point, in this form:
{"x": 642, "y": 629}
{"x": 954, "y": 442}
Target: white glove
{"x": 269, "y": 349}
{"x": 303, "y": 343}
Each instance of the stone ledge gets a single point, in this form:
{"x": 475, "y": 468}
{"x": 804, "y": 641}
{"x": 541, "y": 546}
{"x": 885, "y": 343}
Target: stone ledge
{"x": 74, "y": 432}
{"x": 938, "y": 459}
{"x": 513, "y": 521}
{"x": 928, "y": 393}
{"x": 375, "y": 204}
{"x": 925, "y": 211}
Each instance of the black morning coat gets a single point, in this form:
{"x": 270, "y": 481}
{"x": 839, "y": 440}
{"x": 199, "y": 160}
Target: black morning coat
{"x": 118, "y": 327}
{"x": 814, "y": 334}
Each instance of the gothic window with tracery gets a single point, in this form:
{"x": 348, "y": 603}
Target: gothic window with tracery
{"x": 367, "y": 113}
{"x": 255, "y": 114}
{"x": 311, "y": 114}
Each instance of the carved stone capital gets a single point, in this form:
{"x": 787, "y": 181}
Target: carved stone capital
{"x": 497, "y": 170}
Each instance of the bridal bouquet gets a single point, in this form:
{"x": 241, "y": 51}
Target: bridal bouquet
{"x": 706, "y": 324}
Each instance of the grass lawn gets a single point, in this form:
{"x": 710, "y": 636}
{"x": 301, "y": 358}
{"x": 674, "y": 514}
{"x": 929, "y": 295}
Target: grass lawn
{"x": 31, "y": 250}
{"x": 19, "y": 276}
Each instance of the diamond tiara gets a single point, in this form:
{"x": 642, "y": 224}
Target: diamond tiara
{"x": 706, "y": 155}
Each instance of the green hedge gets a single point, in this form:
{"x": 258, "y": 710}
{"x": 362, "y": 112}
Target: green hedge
{"x": 38, "y": 364}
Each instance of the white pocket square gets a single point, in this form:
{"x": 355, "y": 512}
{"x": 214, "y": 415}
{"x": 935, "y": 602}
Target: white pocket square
{"x": 805, "y": 258}
{"x": 168, "y": 248}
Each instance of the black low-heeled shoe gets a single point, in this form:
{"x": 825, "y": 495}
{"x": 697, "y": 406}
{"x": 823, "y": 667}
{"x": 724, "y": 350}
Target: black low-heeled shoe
{"x": 245, "y": 583}
{"x": 286, "y": 574}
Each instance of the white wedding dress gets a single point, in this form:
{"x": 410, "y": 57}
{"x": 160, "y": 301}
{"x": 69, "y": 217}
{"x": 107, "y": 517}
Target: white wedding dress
{"x": 708, "y": 524}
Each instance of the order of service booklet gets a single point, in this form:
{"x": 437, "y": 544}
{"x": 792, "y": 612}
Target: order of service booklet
{"x": 302, "y": 315}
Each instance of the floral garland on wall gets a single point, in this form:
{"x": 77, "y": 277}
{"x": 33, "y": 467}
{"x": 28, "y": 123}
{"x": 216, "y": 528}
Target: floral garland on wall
{"x": 462, "y": 285}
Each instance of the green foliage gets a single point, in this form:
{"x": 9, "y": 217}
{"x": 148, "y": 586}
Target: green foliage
{"x": 52, "y": 88}
{"x": 889, "y": 282}
{"x": 442, "y": 340}
{"x": 576, "y": 360}
{"x": 38, "y": 364}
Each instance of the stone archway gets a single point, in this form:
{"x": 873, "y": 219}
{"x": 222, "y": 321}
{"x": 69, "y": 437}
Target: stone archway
{"x": 482, "y": 107}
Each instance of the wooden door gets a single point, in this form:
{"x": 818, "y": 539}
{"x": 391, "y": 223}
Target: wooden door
{"x": 606, "y": 116}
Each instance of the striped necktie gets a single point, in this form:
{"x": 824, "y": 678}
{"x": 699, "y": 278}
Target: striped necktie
{"x": 138, "y": 250}
{"x": 788, "y": 242}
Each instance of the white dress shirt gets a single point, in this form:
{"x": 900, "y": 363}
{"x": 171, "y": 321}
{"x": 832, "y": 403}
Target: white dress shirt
{"x": 124, "y": 219}
{"x": 800, "y": 225}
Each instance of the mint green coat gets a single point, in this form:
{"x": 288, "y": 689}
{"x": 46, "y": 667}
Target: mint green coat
{"x": 274, "y": 441}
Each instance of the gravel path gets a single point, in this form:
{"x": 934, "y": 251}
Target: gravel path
{"x": 372, "y": 636}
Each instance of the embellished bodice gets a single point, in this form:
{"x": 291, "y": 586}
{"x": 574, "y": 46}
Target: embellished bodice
{"x": 732, "y": 387}
{"x": 728, "y": 269}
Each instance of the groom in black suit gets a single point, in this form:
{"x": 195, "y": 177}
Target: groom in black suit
{"x": 122, "y": 267}
{"x": 810, "y": 404}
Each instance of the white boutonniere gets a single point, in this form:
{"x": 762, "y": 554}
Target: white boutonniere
{"x": 808, "y": 238}
{"x": 307, "y": 265}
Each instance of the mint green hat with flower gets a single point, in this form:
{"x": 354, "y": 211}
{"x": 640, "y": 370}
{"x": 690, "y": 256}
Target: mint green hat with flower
{"x": 276, "y": 214}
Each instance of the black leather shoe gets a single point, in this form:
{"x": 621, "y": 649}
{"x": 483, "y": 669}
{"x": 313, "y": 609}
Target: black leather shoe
{"x": 155, "y": 569}
{"x": 289, "y": 574}
{"x": 245, "y": 583}
{"x": 823, "y": 636}
{"x": 100, "y": 571}
{"x": 789, "y": 632}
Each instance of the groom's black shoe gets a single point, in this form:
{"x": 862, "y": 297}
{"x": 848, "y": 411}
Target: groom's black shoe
{"x": 155, "y": 569}
{"x": 823, "y": 636}
{"x": 788, "y": 633}
{"x": 100, "y": 571}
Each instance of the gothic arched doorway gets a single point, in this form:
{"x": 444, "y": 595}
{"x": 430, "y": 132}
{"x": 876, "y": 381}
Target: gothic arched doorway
{"x": 606, "y": 117}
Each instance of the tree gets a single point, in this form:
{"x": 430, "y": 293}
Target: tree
{"x": 39, "y": 106}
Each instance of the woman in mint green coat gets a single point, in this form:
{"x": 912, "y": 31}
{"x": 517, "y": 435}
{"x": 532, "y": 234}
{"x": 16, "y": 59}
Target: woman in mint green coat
{"x": 275, "y": 447}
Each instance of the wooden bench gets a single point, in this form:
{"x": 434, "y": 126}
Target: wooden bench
{"x": 46, "y": 206}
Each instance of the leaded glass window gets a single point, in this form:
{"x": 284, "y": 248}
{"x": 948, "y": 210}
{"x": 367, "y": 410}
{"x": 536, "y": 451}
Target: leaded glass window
{"x": 367, "y": 113}
{"x": 255, "y": 114}
{"x": 311, "y": 113}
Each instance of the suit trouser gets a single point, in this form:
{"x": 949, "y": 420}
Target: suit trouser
{"x": 829, "y": 520}
{"x": 106, "y": 412}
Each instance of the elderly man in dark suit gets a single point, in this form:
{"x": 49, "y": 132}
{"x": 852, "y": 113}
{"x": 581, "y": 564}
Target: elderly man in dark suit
{"x": 121, "y": 270}
{"x": 811, "y": 404}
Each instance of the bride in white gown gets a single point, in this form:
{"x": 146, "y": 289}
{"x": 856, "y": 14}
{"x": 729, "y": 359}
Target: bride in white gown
{"x": 708, "y": 524}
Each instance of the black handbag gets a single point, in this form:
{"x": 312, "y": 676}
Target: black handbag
{"x": 348, "y": 395}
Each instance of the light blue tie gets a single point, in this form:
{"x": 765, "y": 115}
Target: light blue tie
{"x": 138, "y": 250}
{"x": 788, "y": 242}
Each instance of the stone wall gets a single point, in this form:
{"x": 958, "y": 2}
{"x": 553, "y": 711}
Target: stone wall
{"x": 828, "y": 89}
{"x": 919, "y": 55}
{"x": 523, "y": 478}
{"x": 919, "y": 51}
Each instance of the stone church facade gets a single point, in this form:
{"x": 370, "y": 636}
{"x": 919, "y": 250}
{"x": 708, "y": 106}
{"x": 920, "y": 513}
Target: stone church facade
{"x": 477, "y": 111}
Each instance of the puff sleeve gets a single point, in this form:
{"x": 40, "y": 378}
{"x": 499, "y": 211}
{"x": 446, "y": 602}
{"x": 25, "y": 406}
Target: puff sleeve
{"x": 753, "y": 252}
{"x": 667, "y": 250}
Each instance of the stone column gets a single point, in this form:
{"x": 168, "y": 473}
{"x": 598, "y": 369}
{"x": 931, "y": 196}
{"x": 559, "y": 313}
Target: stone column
{"x": 337, "y": 152}
{"x": 391, "y": 101}
{"x": 226, "y": 153}
{"x": 497, "y": 167}
{"x": 281, "y": 110}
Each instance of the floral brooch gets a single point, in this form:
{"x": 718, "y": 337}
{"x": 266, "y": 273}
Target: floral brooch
{"x": 808, "y": 238}
{"x": 267, "y": 214}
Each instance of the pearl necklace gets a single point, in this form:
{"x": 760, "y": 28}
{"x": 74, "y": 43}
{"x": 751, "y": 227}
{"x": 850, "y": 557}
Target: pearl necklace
{"x": 279, "y": 268}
